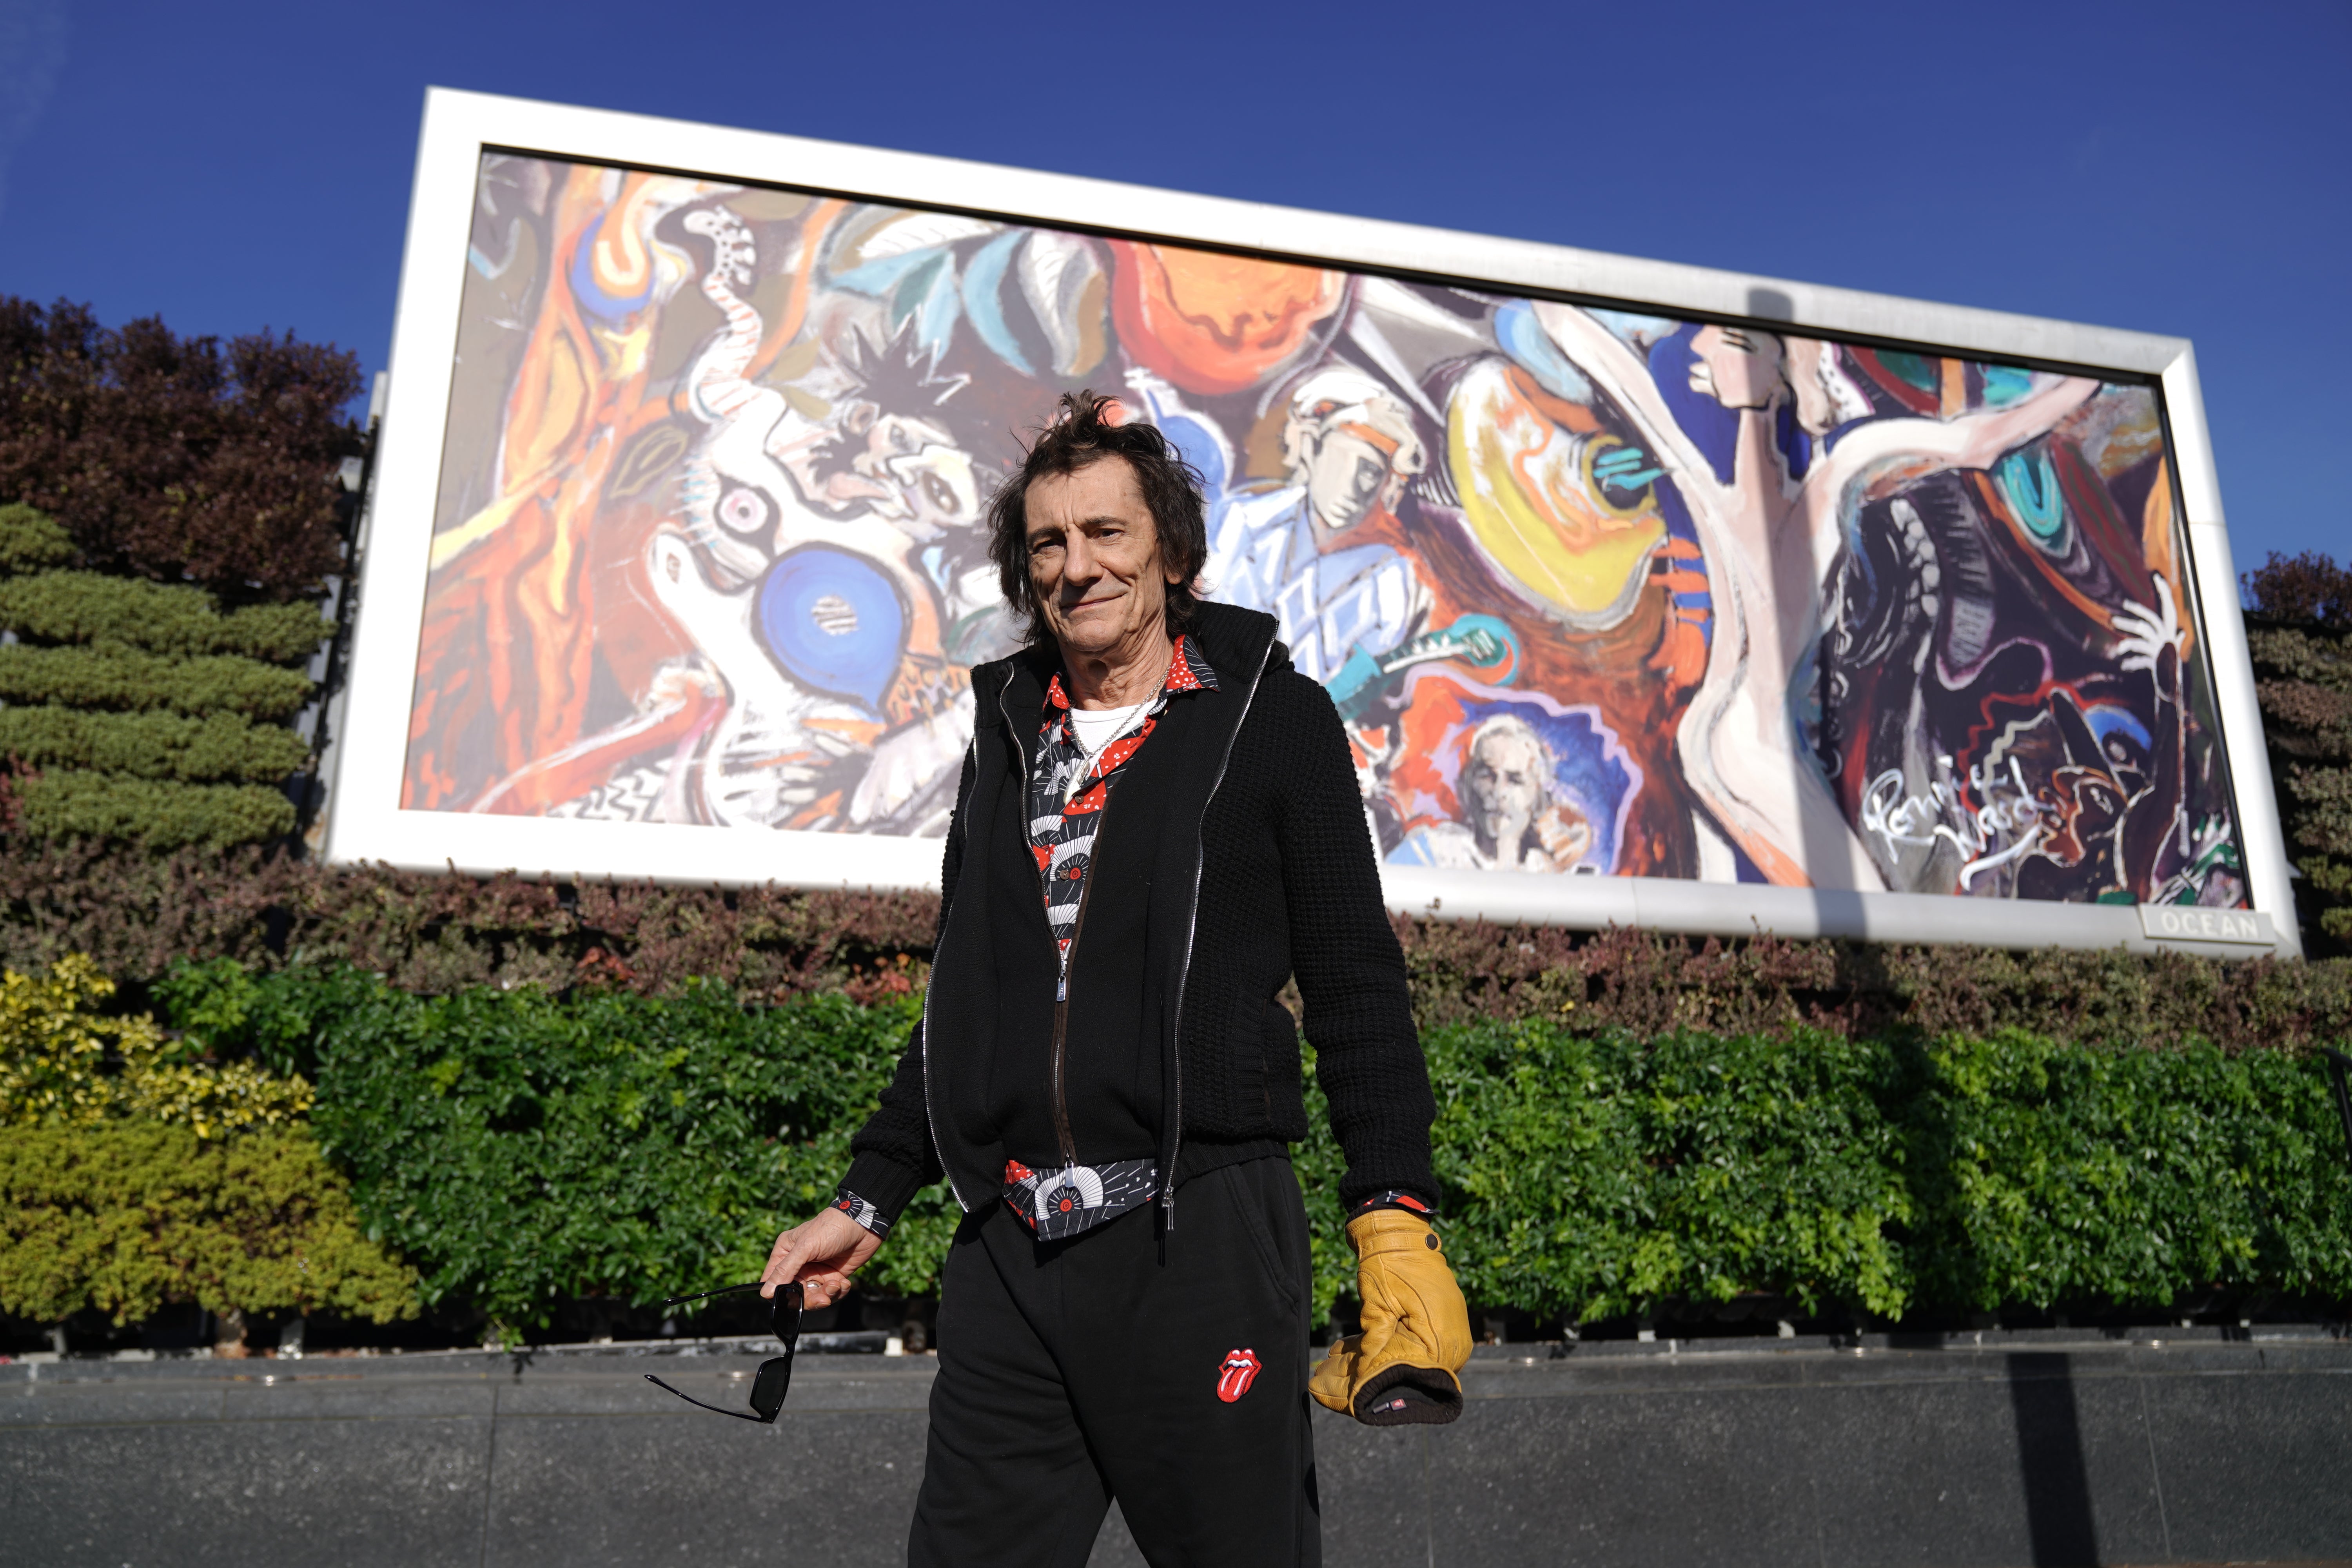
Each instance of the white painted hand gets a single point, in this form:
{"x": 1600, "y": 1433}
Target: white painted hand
{"x": 2147, "y": 633}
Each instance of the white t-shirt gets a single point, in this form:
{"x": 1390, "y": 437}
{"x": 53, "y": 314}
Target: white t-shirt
{"x": 1095, "y": 728}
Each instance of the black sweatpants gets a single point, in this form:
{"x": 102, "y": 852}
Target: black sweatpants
{"x": 1167, "y": 1371}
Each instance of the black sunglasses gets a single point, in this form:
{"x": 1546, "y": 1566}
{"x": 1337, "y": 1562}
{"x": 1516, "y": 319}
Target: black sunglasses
{"x": 775, "y": 1374}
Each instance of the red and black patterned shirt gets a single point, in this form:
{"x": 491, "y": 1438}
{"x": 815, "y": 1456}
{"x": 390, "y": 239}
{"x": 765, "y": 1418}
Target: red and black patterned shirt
{"x": 1066, "y": 796}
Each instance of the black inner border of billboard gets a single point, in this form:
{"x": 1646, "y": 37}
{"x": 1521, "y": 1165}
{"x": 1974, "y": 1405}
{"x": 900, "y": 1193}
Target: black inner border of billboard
{"x": 2195, "y": 610}
{"x": 1442, "y": 279}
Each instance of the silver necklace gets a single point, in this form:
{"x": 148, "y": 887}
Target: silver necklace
{"x": 1086, "y": 759}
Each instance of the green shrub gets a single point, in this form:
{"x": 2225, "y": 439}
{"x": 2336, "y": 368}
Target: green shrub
{"x": 127, "y": 1218}
{"x": 152, "y": 745}
{"x": 110, "y": 676}
{"x": 136, "y": 1173}
{"x": 151, "y": 812}
{"x": 142, "y": 732}
{"x": 523, "y": 1147}
{"x": 2047, "y": 1173}
{"x": 174, "y": 619}
{"x": 31, "y": 540}
{"x": 1588, "y": 1177}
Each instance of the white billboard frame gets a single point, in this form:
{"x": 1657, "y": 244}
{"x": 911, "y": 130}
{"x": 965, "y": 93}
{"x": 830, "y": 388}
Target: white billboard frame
{"x": 366, "y": 823}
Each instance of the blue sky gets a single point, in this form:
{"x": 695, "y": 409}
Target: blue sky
{"x": 2161, "y": 167}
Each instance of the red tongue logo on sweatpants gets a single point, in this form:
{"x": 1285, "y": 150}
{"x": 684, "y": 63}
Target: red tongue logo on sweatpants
{"x": 1235, "y": 1373}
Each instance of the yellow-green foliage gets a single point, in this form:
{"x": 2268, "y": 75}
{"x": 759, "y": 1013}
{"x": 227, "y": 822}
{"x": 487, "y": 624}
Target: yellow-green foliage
{"x": 31, "y": 540}
{"x": 152, "y": 745}
{"x": 147, "y": 716}
{"x": 134, "y": 1174}
{"x": 127, "y": 1218}
{"x": 167, "y": 619}
{"x": 64, "y": 1064}
{"x": 154, "y": 814}
{"x": 110, "y": 675}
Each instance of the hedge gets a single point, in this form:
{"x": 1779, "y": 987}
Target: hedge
{"x": 179, "y": 458}
{"x": 520, "y": 1147}
{"x": 141, "y": 730}
{"x": 127, "y": 1219}
{"x": 2135, "y": 1176}
{"x": 524, "y": 1149}
{"x": 136, "y": 1172}
{"x": 110, "y": 676}
{"x": 66, "y": 1062}
{"x": 175, "y": 619}
{"x": 30, "y": 540}
{"x": 2301, "y": 638}
{"x": 434, "y": 933}
{"x": 153, "y": 745}
{"x": 157, "y": 815}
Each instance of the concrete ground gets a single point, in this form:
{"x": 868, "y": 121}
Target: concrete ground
{"x": 1995, "y": 1449}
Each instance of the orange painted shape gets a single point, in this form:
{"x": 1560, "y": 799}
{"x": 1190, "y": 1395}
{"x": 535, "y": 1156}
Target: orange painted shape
{"x": 1213, "y": 323}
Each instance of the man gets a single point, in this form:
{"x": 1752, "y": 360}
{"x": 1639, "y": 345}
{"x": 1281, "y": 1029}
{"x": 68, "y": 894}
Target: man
{"x": 1156, "y": 826}
{"x": 1516, "y": 824}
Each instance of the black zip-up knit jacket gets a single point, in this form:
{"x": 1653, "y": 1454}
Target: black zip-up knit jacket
{"x": 1241, "y": 855}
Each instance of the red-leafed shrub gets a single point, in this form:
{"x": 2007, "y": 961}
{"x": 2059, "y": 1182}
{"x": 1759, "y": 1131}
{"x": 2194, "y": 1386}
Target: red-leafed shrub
{"x": 434, "y": 934}
{"x": 174, "y": 457}
{"x": 2300, "y": 627}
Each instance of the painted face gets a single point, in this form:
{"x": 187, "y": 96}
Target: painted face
{"x": 905, "y": 470}
{"x": 1094, "y": 559}
{"x": 1347, "y": 478}
{"x": 936, "y": 488}
{"x": 1505, "y": 788}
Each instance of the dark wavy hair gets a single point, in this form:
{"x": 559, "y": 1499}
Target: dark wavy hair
{"x": 1078, "y": 436}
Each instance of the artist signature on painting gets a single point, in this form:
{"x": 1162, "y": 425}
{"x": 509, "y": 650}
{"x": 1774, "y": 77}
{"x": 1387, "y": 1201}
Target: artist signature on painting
{"x": 2006, "y": 828}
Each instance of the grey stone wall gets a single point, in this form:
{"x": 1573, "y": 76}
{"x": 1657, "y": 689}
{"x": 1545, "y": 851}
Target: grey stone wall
{"x": 1991, "y": 1450}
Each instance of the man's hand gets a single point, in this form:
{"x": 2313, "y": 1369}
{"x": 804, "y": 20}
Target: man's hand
{"x": 822, "y": 1254}
{"x": 1402, "y": 1370}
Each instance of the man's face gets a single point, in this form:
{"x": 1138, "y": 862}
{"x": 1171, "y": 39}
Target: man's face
{"x": 1505, "y": 786}
{"x": 1345, "y": 478}
{"x": 1094, "y": 560}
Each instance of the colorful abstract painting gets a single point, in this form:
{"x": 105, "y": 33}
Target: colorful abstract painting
{"x": 1596, "y": 593}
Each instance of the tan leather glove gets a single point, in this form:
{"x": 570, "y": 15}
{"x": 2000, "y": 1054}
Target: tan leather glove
{"x": 1399, "y": 1372}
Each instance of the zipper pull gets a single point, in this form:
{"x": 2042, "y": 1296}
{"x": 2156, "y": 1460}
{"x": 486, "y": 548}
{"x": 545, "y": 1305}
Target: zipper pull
{"x": 1062, "y": 989}
{"x": 1167, "y": 1209}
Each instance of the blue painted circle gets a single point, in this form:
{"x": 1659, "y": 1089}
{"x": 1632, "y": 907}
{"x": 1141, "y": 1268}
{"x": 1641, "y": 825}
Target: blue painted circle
{"x": 832, "y": 621}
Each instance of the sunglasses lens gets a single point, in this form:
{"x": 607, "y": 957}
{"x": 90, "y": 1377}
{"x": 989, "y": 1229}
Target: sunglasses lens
{"x": 768, "y": 1389}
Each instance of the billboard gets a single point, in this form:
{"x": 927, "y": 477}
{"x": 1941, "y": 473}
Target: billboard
{"x": 1823, "y": 613}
